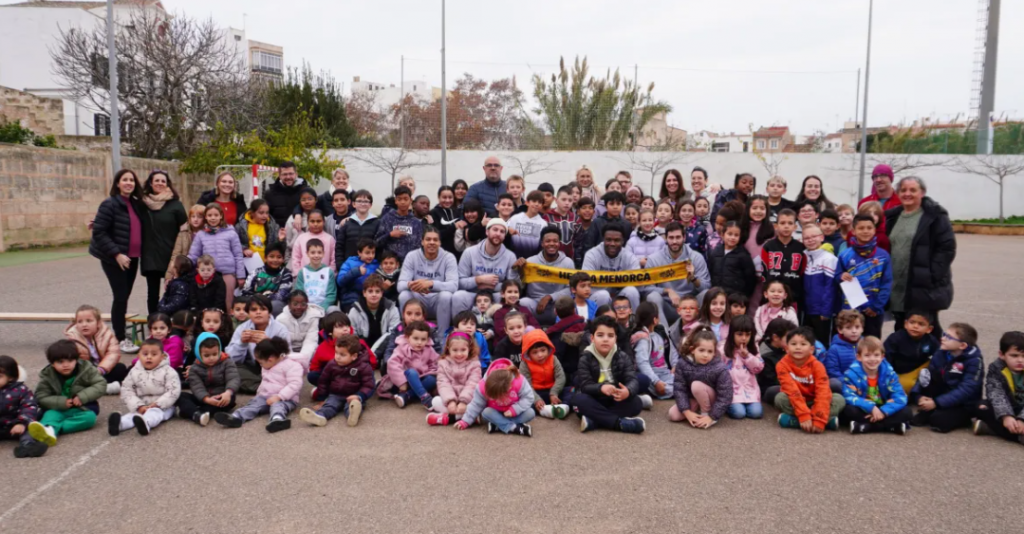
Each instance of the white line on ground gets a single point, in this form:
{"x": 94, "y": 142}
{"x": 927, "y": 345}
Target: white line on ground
{"x": 53, "y": 481}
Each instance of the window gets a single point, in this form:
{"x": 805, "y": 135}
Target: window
{"x": 746, "y": 146}
{"x": 719, "y": 147}
{"x": 414, "y": 88}
{"x": 775, "y": 144}
{"x": 267, "y": 62}
{"x": 101, "y": 125}
{"x": 760, "y": 144}
{"x": 238, "y": 37}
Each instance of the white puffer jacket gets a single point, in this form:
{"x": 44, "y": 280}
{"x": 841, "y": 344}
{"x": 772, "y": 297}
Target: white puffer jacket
{"x": 143, "y": 387}
{"x": 303, "y": 332}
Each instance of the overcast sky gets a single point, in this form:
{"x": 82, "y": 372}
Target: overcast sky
{"x": 694, "y": 51}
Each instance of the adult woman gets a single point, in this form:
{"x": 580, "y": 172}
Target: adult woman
{"x": 923, "y": 249}
{"x": 672, "y": 187}
{"x": 699, "y": 183}
{"x": 225, "y": 192}
{"x": 261, "y": 325}
{"x": 257, "y": 230}
{"x": 812, "y": 190}
{"x": 117, "y": 243}
{"x": 461, "y": 188}
{"x": 585, "y": 179}
{"x": 325, "y": 201}
{"x": 159, "y": 231}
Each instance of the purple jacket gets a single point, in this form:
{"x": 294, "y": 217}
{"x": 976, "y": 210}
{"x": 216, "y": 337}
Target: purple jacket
{"x": 715, "y": 374}
{"x": 644, "y": 249}
{"x": 223, "y": 245}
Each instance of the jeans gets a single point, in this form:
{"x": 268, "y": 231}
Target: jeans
{"x": 420, "y": 386}
{"x": 506, "y": 424}
{"x": 121, "y": 282}
{"x": 740, "y": 410}
{"x": 258, "y": 406}
{"x": 333, "y": 405}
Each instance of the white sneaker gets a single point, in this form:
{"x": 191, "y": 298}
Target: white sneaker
{"x": 128, "y": 347}
{"x": 647, "y": 400}
{"x": 437, "y": 405}
{"x": 546, "y": 412}
{"x": 204, "y": 419}
{"x": 114, "y": 388}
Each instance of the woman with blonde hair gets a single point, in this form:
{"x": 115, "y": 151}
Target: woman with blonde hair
{"x": 225, "y": 193}
{"x": 585, "y": 179}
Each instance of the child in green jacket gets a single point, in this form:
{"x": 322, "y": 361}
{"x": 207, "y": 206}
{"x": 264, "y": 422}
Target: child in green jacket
{"x": 68, "y": 390}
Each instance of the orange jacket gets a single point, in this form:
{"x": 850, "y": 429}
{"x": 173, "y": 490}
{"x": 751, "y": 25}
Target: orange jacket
{"x": 542, "y": 374}
{"x": 808, "y": 382}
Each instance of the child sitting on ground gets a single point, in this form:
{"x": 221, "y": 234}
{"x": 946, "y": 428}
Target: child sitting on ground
{"x": 738, "y": 304}
{"x": 777, "y": 304}
{"x": 173, "y": 346}
{"x": 545, "y": 375}
{"x": 608, "y": 391}
{"x": 239, "y": 314}
{"x": 624, "y": 314}
{"x": 715, "y": 313}
{"x": 150, "y": 392}
{"x": 206, "y": 289}
{"x": 655, "y": 355}
{"x": 69, "y": 389}
{"x": 875, "y": 400}
{"x": 909, "y": 350}
{"x": 806, "y": 402}
{"x": 843, "y": 351}
{"x": 846, "y": 214}
{"x": 504, "y": 399}
{"x": 1002, "y": 411}
{"x": 182, "y": 324}
{"x": 97, "y": 345}
{"x": 689, "y": 319}
{"x": 19, "y": 413}
{"x": 567, "y": 335}
{"x": 703, "y": 385}
{"x": 948, "y": 391}
{"x": 412, "y": 369}
{"x": 465, "y": 322}
{"x": 458, "y": 374}
{"x": 176, "y": 294}
{"x": 213, "y": 380}
{"x": 354, "y": 272}
{"x": 511, "y": 348}
{"x": 346, "y": 381}
{"x": 278, "y": 392}
{"x": 744, "y": 363}
{"x": 272, "y": 280}
{"x": 772, "y": 349}
{"x": 317, "y": 278}
{"x": 215, "y": 322}
{"x": 373, "y": 317}
{"x": 334, "y": 325}
{"x": 412, "y": 311}
{"x": 509, "y": 303}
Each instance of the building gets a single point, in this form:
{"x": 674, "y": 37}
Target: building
{"x": 266, "y": 61}
{"x": 657, "y": 133}
{"x": 833, "y": 143}
{"x": 772, "y": 139}
{"x": 386, "y": 96}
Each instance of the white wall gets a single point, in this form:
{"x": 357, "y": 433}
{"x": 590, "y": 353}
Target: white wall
{"x": 965, "y": 196}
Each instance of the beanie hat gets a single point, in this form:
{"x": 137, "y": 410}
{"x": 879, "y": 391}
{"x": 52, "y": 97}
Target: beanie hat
{"x": 496, "y": 221}
{"x": 882, "y": 170}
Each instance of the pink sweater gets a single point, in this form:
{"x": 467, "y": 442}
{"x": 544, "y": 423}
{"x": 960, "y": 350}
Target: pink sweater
{"x": 455, "y": 381}
{"x": 404, "y": 357}
{"x": 299, "y": 257}
{"x": 744, "y": 379}
{"x": 766, "y": 313}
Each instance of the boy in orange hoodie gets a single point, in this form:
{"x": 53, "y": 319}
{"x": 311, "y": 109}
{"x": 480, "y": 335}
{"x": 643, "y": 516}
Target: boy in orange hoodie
{"x": 806, "y": 401}
{"x": 545, "y": 375}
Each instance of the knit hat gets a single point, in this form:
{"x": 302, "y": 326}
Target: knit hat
{"x": 496, "y": 221}
{"x": 882, "y": 170}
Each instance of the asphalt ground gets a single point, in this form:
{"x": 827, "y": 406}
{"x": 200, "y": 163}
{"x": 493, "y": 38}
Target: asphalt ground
{"x": 393, "y": 473}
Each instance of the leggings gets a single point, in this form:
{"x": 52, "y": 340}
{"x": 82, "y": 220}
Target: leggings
{"x": 121, "y": 282}
{"x": 229, "y": 290}
{"x": 152, "y": 291}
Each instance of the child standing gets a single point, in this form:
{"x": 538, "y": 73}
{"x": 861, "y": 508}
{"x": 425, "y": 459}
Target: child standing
{"x": 373, "y": 317}
{"x": 354, "y": 272}
{"x": 806, "y": 402}
{"x": 300, "y": 250}
{"x": 19, "y": 413}
{"x": 909, "y": 350}
{"x": 149, "y": 392}
{"x": 1002, "y": 411}
{"x": 315, "y": 278}
{"x": 458, "y": 374}
{"x": 729, "y": 263}
{"x": 545, "y": 375}
{"x": 828, "y": 221}
{"x": 608, "y": 395}
{"x": 843, "y": 352}
{"x": 412, "y": 368}
{"x": 696, "y": 234}
{"x": 777, "y": 305}
{"x": 69, "y": 390}
{"x": 744, "y": 362}
{"x": 875, "y": 400}
{"x": 510, "y": 303}
{"x": 504, "y": 399}
{"x": 524, "y": 228}
{"x": 783, "y": 257}
{"x": 872, "y": 268}
{"x": 278, "y": 392}
{"x": 948, "y": 391}
{"x": 703, "y": 386}
{"x": 655, "y": 355}
{"x": 645, "y": 241}
{"x": 272, "y": 280}
{"x": 213, "y": 380}
{"x": 390, "y": 271}
{"x": 346, "y": 382}
{"x": 776, "y": 187}
{"x": 220, "y": 242}
{"x": 207, "y": 288}
{"x": 819, "y": 284}
{"x": 400, "y": 231}
{"x": 846, "y": 214}
{"x": 97, "y": 345}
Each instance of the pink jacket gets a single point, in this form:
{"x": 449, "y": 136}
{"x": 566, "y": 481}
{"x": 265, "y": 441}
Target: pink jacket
{"x": 514, "y": 392}
{"x": 299, "y": 257}
{"x": 744, "y": 381}
{"x": 174, "y": 346}
{"x": 455, "y": 381}
{"x": 766, "y": 313}
{"x": 423, "y": 361}
{"x": 283, "y": 380}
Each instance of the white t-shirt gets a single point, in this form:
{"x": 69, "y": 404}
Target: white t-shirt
{"x": 583, "y": 311}
{"x": 526, "y": 242}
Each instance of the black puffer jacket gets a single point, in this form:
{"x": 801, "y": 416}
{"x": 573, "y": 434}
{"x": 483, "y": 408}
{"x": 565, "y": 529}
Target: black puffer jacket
{"x": 734, "y": 271}
{"x": 589, "y": 370}
{"x": 111, "y": 228}
{"x": 209, "y": 196}
{"x": 346, "y": 239}
{"x": 282, "y": 199}
{"x": 930, "y": 276}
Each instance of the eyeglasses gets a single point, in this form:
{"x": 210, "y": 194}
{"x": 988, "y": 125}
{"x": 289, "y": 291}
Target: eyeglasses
{"x": 621, "y": 308}
{"x": 946, "y": 335}
{"x": 492, "y": 165}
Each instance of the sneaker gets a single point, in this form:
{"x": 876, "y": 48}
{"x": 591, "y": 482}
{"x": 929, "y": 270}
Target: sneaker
{"x": 113, "y": 388}
{"x": 439, "y": 419}
{"x": 427, "y": 401}
{"x": 227, "y": 420}
{"x": 114, "y": 424}
{"x": 438, "y": 405}
{"x": 833, "y": 424}
{"x": 853, "y": 427}
{"x": 586, "y": 423}
{"x": 523, "y": 430}
{"x": 788, "y": 421}
{"x": 355, "y": 409}
{"x": 647, "y": 401}
{"x": 547, "y": 412}
{"x": 203, "y": 419}
{"x": 902, "y": 429}
{"x": 492, "y": 428}
{"x": 141, "y": 426}
{"x": 978, "y": 427}
{"x": 278, "y": 424}
{"x": 32, "y": 449}
{"x": 400, "y": 400}
{"x": 560, "y": 411}
{"x": 632, "y": 425}
{"x": 309, "y": 416}
{"x": 42, "y": 434}
{"x": 128, "y": 347}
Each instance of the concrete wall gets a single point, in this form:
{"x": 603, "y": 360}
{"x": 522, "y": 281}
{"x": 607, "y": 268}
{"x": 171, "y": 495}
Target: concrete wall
{"x": 965, "y": 196}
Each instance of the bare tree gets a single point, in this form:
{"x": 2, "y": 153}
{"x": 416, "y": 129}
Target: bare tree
{"x": 995, "y": 168}
{"x": 653, "y": 162}
{"x": 530, "y": 164}
{"x": 391, "y": 160}
{"x": 176, "y": 75}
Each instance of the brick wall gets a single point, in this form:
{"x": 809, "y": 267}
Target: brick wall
{"x": 44, "y": 116}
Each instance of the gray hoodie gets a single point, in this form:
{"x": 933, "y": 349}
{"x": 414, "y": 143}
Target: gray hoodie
{"x": 597, "y": 260}
{"x": 539, "y": 290}
{"x": 442, "y": 270}
{"x": 476, "y": 262}
{"x": 683, "y": 287}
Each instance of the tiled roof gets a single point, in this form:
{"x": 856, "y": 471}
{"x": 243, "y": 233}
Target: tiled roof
{"x": 772, "y": 131}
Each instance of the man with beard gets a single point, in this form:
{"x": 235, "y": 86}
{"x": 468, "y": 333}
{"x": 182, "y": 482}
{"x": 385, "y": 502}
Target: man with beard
{"x": 484, "y": 266}
{"x": 283, "y": 195}
{"x": 430, "y": 275}
{"x": 610, "y": 256}
{"x": 541, "y": 295}
{"x": 697, "y": 283}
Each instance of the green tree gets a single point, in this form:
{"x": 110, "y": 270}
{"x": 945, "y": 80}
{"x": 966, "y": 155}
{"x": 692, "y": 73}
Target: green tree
{"x": 315, "y": 97}
{"x": 582, "y": 112}
{"x": 1007, "y": 139}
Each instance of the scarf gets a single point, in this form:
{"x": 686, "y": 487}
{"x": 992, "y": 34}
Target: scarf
{"x": 647, "y": 237}
{"x": 866, "y": 250}
{"x": 156, "y": 202}
{"x": 203, "y": 282}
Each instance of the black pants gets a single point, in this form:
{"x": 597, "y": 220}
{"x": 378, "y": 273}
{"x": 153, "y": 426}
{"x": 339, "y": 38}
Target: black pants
{"x": 873, "y": 325}
{"x": 153, "y": 291}
{"x": 189, "y": 405}
{"x": 117, "y": 374}
{"x": 902, "y": 316}
{"x": 853, "y": 413}
{"x": 604, "y": 410}
{"x": 23, "y": 439}
{"x": 822, "y": 328}
{"x": 995, "y": 425}
{"x": 943, "y": 419}
{"x": 121, "y": 282}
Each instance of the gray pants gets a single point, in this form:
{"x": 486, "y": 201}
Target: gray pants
{"x": 438, "y": 305}
{"x": 464, "y": 300}
{"x": 258, "y": 406}
{"x": 604, "y": 296}
{"x": 333, "y": 405}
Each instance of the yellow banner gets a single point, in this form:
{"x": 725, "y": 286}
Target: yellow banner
{"x": 533, "y": 273}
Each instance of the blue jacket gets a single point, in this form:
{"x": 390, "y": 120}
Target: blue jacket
{"x": 855, "y": 389}
{"x": 874, "y": 274}
{"x": 820, "y": 285}
{"x": 959, "y": 378}
{"x": 350, "y": 282}
{"x": 176, "y": 295}
{"x": 487, "y": 193}
{"x": 839, "y": 357}
{"x": 481, "y": 341}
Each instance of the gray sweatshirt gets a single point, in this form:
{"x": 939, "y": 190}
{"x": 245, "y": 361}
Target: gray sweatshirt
{"x": 442, "y": 270}
{"x": 683, "y": 287}
{"x": 539, "y": 290}
{"x": 476, "y": 262}
{"x": 597, "y": 260}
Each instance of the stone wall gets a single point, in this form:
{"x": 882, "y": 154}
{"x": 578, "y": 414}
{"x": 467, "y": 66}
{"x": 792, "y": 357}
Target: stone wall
{"x": 44, "y": 116}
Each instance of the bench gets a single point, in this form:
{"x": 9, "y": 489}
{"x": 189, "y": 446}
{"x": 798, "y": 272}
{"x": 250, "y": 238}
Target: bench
{"x": 134, "y": 321}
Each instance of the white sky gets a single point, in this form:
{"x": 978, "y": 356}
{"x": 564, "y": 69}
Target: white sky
{"x": 922, "y": 50}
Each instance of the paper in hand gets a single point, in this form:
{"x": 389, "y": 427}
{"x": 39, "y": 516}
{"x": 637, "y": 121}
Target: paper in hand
{"x": 252, "y": 263}
{"x": 854, "y": 293}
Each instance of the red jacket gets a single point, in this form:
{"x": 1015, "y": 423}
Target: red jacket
{"x": 808, "y": 382}
{"x": 893, "y": 202}
{"x": 325, "y": 353}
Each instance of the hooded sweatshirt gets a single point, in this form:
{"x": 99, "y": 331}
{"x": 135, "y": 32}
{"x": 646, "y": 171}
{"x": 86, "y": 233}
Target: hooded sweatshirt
{"x": 159, "y": 385}
{"x": 216, "y": 379}
{"x": 539, "y": 290}
{"x": 545, "y": 375}
{"x": 412, "y": 230}
{"x": 526, "y": 242}
{"x": 442, "y": 270}
{"x": 300, "y": 256}
{"x": 475, "y": 262}
{"x": 684, "y": 286}
{"x": 519, "y": 400}
{"x": 302, "y": 331}
{"x": 803, "y": 384}
{"x": 597, "y": 260}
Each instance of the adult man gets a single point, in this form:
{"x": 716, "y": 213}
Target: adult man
{"x": 540, "y": 296}
{"x": 339, "y": 180}
{"x": 610, "y": 256}
{"x": 697, "y": 283}
{"x": 430, "y": 275}
{"x": 881, "y": 190}
{"x": 488, "y": 189}
{"x": 484, "y": 266}
{"x": 283, "y": 195}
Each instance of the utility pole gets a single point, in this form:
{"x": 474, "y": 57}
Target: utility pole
{"x": 444, "y": 109}
{"x": 864, "y": 124}
{"x": 115, "y": 117}
{"x": 856, "y": 107}
{"x": 988, "y": 80}
{"x": 401, "y": 105}
{"x": 633, "y": 119}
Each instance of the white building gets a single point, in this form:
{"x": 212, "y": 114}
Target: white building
{"x": 385, "y": 95}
